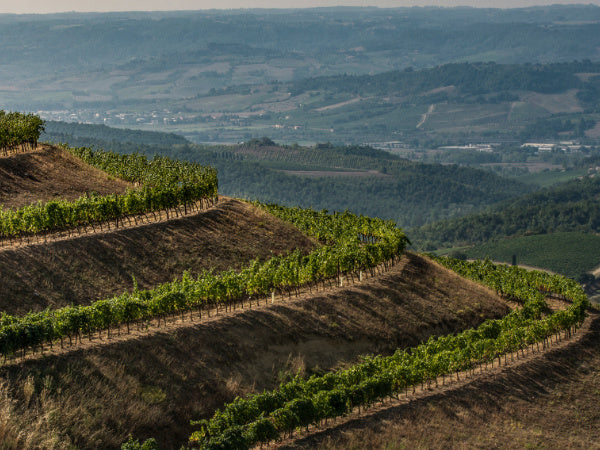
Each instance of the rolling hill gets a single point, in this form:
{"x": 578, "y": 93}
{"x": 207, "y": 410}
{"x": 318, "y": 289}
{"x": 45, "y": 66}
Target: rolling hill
{"x": 325, "y": 176}
{"x": 228, "y": 76}
{"x": 153, "y": 383}
{"x": 291, "y": 301}
{"x": 570, "y": 206}
{"x": 154, "y": 379}
{"x": 409, "y": 110}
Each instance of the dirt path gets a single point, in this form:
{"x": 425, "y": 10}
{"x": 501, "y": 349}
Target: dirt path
{"x": 530, "y": 365}
{"x": 425, "y": 116}
{"x": 339, "y": 105}
{"x": 513, "y": 105}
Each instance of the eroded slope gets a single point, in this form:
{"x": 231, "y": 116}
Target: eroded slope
{"x": 50, "y": 173}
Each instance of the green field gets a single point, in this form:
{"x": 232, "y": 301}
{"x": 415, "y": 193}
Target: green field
{"x": 570, "y": 254}
{"x": 547, "y": 178}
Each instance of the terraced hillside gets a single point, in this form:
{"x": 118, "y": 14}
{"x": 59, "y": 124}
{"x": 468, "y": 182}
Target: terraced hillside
{"x": 153, "y": 383}
{"x": 102, "y": 265}
{"x": 90, "y": 376}
{"x": 97, "y": 392}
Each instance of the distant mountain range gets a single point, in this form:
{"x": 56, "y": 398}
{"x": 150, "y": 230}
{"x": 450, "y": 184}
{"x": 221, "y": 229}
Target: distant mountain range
{"x": 229, "y": 76}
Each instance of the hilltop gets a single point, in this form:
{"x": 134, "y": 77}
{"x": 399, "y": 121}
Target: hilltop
{"x": 48, "y": 174}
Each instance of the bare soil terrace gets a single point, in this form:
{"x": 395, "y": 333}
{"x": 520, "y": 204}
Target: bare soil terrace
{"x": 82, "y": 269}
{"x": 544, "y": 400}
{"x": 50, "y": 173}
{"x": 153, "y": 383}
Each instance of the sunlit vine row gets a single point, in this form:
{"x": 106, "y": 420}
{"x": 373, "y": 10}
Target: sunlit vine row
{"x": 271, "y": 415}
{"x": 19, "y": 132}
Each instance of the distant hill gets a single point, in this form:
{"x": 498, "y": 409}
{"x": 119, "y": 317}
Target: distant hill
{"x": 569, "y": 253}
{"x": 450, "y": 104}
{"x": 571, "y": 206}
{"x": 326, "y": 176}
{"x": 349, "y": 75}
{"x": 87, "y": 134}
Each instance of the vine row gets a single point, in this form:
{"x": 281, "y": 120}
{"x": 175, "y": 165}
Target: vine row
{"x": 347, "y": 255}
{"x": 271, "y": 415}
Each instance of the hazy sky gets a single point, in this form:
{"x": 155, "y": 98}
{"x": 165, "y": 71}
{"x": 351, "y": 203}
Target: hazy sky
{"x": 48, "y": 6}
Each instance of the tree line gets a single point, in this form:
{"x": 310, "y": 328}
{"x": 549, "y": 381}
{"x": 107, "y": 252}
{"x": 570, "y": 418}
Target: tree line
{"x": 571, "y": 206}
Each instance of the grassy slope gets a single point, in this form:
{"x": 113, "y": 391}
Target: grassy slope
{"x": 554, "y": 228}
{"x": 153, "y": 385}
{"x": 570, "y": 206}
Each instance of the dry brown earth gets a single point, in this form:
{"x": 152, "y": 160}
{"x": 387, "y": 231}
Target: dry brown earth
{"x": 50, "y": 173}
{"x": 152, "y": 385}
{"x": 101, "y": 265}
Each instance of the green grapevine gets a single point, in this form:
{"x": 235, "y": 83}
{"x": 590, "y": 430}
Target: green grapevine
{"x": 19, "y": 132}
{"x": 263, "y": 417}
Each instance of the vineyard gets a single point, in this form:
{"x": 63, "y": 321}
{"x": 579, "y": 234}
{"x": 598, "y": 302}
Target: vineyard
{"x": 271, "y": 415}
{"x": 164, "y": 184}
{"x": 19, "y": 132}
{"x": 351, "y": 244}
{"x": 350, "y": 247}
{"x": 569, "y": 253}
